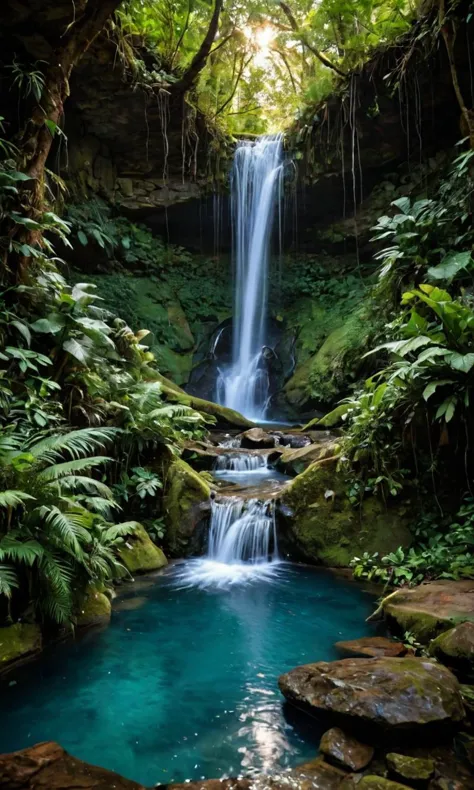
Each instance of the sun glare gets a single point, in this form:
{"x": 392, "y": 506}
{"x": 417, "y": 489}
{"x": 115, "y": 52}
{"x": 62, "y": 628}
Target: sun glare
{"x": 261, "y": 37}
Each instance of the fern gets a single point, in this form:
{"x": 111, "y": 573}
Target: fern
{"x": 8, "y": 581}
{"x": 75, "y": 443}
{"x": 14, "y": 498}
{"x": 57, "y": 471}
{"x": 68, "y": 529}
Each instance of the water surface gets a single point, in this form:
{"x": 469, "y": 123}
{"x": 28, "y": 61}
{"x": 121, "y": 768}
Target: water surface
{"x": 185, "y": 686}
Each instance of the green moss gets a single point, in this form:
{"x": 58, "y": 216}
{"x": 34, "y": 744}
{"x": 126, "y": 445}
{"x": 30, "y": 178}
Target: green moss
{"x": 325, "y": 528}
{"x": 18, "y": 641}
{"x": 95, "y": 608}
{"x": 330, "y": 420}
{"x": 140, "y": 554}
{"x": 185, "y": 492}
{"x": 379, "y": 783}
{"x": 222, "y": 414}
{"x": 412, "y": 769}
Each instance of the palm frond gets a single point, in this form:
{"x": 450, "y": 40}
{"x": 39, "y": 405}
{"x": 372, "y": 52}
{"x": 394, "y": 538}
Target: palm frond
{"x": 89, "y": 485}
{"x": 120, "y": 530}
{"x": 55, "y": 602}
{"x": 13, "y": 498}
{"x": 20, "y": 551}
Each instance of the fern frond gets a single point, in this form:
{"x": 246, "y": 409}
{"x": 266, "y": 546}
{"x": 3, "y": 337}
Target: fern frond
{"x": 67, "y": 530}
{"x": 18, "y": 551}
{"x": 56, "y": 578}
{"x": 120, "y": 530}
{"x": 89, "y": 485}
{"x": 76, "y": 443}
{"x": 8, "y": 581}
{"x": 57, "y": 471}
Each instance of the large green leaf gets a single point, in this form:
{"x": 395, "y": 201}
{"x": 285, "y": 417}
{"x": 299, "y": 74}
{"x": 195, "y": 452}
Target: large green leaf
{"x": 462, "y": 362}
{"x": 451, "y": 266}
{"x": 77, "y": 350}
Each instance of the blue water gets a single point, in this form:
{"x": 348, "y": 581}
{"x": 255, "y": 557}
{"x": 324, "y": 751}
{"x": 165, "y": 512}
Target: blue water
{"x": 185, "y": 685}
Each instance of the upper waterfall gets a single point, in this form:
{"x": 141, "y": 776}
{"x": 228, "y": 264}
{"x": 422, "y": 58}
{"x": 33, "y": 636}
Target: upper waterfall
{"x": 256, "y": 184}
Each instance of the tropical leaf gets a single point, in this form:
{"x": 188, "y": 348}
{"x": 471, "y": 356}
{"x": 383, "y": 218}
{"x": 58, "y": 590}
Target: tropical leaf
{"x": 57, "y": 471}
{"x": 8, "y": 580}
{"x": 14, "y": 498}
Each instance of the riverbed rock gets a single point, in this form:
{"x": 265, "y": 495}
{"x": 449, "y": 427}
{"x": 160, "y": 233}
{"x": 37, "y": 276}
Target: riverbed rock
{"x": 344, "y": 750}
{"x": 95, "y": 609}
{"x": 455, "y": 648}
{"x": 257, "y": 439}
{"x": 372, "y": 646}
{"x": 47, "y": 766}
{"x": 140, "y": 555}
{"x": 379, "y": 783}
{"x": 430, "y": 608}
{"x": 186, "y": 503}
{"x": 19, "y": 642}
{"x": 380, "y": 698}
{"x": 294, "y": 461}
{"x": 415, "y": 771}
{"x": 320, "y": 525}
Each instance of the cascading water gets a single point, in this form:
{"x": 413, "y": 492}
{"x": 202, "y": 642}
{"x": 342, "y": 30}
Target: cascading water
{"x": 242, "y": 531}
{"x": 241, "y": 462}
{"x": 257, "y": 179}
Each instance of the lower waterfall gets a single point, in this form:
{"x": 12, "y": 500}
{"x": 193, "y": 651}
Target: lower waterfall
{"x": 242, "y": 531}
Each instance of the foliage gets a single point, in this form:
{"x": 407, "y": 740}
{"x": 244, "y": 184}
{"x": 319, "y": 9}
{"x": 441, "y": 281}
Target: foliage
{"x": 439, "y": 551}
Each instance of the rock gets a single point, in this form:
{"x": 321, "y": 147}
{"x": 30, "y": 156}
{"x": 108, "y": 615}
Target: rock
{"x": 430, "y": 608}
{"x": 47, "y": 766}
{"x": 455, "y": 648}
{"x": 19, "y": 642}
{"x": 323, "y": 527}
{"x": 330, "y": 420}
{"x": 139, "y": 554}
{"x": 379, "y": 697}
{"x": 96, "y": 609}
{"x": 379, "y": 783}
{"x": 372, "y": 646}
{"x": 416, "y": 771}
{"x": 341, "y": 748}
{"x": 224, "y": 417}
{"x": 257, "y": 438}
{"x": 186, "y": 502}
{"x": 295, "y": 461}
{"x": 315, "y": 775}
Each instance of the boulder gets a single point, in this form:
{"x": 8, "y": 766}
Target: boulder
{"x": 332, "y": 419}
{"x": 372, "y": 646}
{"x": 257, "y": 439}
{"x": 322, "y": 526}
{"x": 379, "y": 783}
{"x": 186, "y": 502}
{"x": 47, "y": 766}
{"x": 344, "y": 750}
{"x": 455, "y": 648}
{"x": 294, "y": 461}
{"x": 430, "y": 608}
{"x": 19, "y": 642}
{"x": 380, "y": 698}
{"x": 415, "y": 771}
{"x": 140, "y": 555}
{"x": 96, "y": 609}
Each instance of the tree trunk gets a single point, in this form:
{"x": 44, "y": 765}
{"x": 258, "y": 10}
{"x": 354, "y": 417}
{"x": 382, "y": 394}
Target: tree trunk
{"x": 199, "y": 61}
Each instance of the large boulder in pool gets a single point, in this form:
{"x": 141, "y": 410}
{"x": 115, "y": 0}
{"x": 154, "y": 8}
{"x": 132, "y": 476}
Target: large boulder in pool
{"x": 320, "y": 524}
{"x": 18, "y": 643}
{"x": 379, "y": 698}
{"x": 95, "y": 609}
{"x": 257, "y": 439}
{"x": 186, "y": 504}
{"x": 139, "y": 554}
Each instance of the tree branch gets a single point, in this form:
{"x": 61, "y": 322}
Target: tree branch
{"x": 296, "y": 29}
{"x": 199, "y": 61}
{"x": 243, "y": 65}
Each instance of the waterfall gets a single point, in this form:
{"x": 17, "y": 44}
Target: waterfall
{"x": 256, "y": 182}
{"x": 242, "y": 531}
{"x": 241, "y": 462}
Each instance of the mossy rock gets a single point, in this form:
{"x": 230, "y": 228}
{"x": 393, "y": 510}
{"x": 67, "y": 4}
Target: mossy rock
{"x": 429, "y": 609}
{"x": 321, "y": 525}
{"x": 223, "y": 416}
{"x": 19, "y": 642}
{"x": 332, "y": 419}
{"x": 379, "y": 783}
{"x": 416, "y": 771}
{"x": 186, "y": 503}
{"x": 139, "y": 554}
{"x": 455, "y": 648}
{"x": 95, "y": 609}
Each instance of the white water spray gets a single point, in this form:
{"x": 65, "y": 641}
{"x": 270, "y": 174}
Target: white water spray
{"x": 241, "y": 462}
{"x": 257, "y": 179}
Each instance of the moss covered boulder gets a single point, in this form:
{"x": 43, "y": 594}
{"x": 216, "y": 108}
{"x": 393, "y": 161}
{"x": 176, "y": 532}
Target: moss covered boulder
{"x": 415, "y": 771}
{"x": 140, "y": 555}
{"x": 382, "y": 699}
{"x": 19, "y": 642}
{"x": 223, "y": 416}
{"x": 95, "y": 609}
{"x": 455, "y": 648}
{"x": 186, "y": 502}
{"x": 294, "y": 461}
{"x": 379, "y": 783}
{"x": 429, "y": 609}
{"x": 320, "y": 525}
